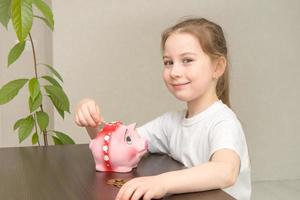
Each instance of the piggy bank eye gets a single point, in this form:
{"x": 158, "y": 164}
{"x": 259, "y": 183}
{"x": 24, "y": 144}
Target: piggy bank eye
{"x": 128, "y": 139}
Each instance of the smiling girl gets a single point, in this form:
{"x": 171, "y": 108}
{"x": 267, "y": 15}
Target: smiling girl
{"x": 206, "y": 137}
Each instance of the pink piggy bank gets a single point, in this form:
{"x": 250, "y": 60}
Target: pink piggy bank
{"x": 117, "y": 148}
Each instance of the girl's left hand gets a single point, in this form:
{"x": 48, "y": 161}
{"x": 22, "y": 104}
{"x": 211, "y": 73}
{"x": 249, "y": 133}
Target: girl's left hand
{"x": 147, "y": 187}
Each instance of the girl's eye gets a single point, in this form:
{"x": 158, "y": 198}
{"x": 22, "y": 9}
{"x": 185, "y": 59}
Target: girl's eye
{"x": 168, "y": 62}
{"x": 187, "y": 60}
{"x": 128, "y": 139}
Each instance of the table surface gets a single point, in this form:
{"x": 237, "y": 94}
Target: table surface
{"x": 68, "y": 172}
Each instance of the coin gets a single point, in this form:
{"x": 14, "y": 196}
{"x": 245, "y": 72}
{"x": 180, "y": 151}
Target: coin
{"x": 111, "y": 181}
{"x": 118, "y": 182}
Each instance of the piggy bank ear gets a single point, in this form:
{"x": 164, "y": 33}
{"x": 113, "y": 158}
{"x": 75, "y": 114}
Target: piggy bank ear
{"x": 131, "y": 127}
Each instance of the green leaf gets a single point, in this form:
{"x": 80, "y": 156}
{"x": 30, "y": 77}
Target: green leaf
{"x": 11, "y": 89}
{"x": 56, "y": 140}
{"x": 52, "y": 80}
{"x": 58, "y": 97}
{"x": 61, "y": 112}
{"x": 47, "y": 12}
{"x": 34, "y": 104}
{"x": 42, "y": 119}
{"x": 15, "y": 52}
{"x": 35, "y": 138}
{"x": 25, "y": 128}
{"x": 43, "y": 19}
{"x": 22, "y": 17}
{"x": 64, "y": 138}
{"x": 53, "y": 71}
{"x": 34, "y": 88}
{"x": 18, "y": 123}
{"x": 5, "y": 12}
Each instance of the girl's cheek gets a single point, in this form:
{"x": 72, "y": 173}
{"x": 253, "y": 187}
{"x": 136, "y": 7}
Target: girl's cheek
{"x": 165, "y": 72}
{"x": 165, "y": 77}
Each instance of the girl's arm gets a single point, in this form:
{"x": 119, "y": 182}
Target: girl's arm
{"x": 221, "y": 172}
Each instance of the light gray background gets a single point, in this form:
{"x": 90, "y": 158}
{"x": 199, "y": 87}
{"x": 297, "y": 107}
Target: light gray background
{"x": 109, "y": 51}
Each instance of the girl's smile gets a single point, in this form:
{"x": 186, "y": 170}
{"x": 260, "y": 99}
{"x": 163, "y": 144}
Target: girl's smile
{"x": 179, "y": 86}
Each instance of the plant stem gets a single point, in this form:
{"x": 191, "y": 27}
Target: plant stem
{"x": 36, "y": 76}
{"x": 35, "y": 126}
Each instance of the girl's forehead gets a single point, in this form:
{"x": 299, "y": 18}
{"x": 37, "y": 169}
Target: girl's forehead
{"x": 179, "y": 43}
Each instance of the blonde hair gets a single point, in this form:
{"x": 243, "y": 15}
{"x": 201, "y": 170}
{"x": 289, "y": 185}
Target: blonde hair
{"x": 213, "y": 43}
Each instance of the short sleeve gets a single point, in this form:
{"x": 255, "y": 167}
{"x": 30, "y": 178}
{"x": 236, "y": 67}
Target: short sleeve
{"x": 227, "y": 134}
{"x": 155, "y": 134}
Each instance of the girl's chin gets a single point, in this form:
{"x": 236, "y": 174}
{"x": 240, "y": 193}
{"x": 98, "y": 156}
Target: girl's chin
{"x": 181, "y": 95}
{"x": 183, "y": 98}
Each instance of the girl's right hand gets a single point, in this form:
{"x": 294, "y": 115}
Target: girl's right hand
{"x": 87, "y": 114}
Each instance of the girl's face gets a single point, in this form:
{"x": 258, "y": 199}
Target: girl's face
{"x": 188, "y": 71}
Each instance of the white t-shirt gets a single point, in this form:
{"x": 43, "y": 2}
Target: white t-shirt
{"x": 192, "y": 141}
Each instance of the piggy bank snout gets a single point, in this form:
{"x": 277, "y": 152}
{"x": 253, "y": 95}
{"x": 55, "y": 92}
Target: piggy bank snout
{"x": 141, "y": 145}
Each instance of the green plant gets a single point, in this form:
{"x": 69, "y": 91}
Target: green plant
{"x": 20, "y": 12}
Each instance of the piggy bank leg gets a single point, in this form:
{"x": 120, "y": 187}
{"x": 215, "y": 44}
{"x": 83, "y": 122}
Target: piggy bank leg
{"x": 101, "y": 168}
{"x": 122, "y": 169}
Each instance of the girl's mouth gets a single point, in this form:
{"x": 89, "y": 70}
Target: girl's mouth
{"x": 179, "y": 85}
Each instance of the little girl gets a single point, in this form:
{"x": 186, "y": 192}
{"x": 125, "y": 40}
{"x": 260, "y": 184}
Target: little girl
{"x": 206, "y": 137}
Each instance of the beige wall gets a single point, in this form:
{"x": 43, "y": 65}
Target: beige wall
{"x": 109, "y": 50}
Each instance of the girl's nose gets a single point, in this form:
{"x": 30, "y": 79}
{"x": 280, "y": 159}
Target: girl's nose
{"x": 176, "y": 71}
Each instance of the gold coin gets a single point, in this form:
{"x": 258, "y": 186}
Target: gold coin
{"x": 118, "y": 182}
{"x": 111, "y": 181}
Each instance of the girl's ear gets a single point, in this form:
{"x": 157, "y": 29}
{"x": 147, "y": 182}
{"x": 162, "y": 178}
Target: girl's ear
{"x": 220, "y": 66}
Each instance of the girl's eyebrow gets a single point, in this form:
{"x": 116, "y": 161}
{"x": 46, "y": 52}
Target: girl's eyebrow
{"x": 182, "y": 54}
{"x": 186, "y": 53}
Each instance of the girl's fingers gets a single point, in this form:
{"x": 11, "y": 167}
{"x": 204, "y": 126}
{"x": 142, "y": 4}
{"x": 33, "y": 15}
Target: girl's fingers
{"x": 93, "y": 112}
{"x": 98, "y": 111}
{"x": 148, "y": 196}
{"x": 81, "y": 119}
{"x": 138, "y": 193}
{"x": 87, "y": 116}
{"x": 120, "y": 193}
{"x": 77, "y": 120}
{"x": 88, "y": 113}
{"x": 125, "y": 192}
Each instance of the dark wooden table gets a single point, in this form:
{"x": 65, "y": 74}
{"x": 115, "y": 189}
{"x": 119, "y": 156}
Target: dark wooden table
{"x": 67, "y": 172}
